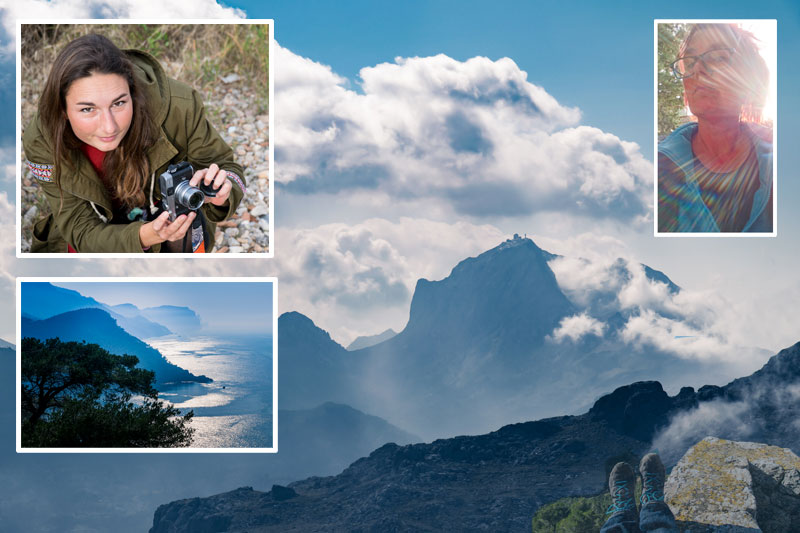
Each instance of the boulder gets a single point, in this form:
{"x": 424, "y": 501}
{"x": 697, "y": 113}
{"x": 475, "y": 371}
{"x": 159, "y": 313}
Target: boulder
{"x": 727, "y": 486}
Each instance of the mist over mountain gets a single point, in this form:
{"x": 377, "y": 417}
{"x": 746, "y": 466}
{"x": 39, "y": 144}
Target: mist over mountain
{"x": 98, "y": 327}
{"x": 126, "y": 310}
{"x": 762, "y": 407}
{"x": 131, "y": 319}
{"x": 8, "y": 358}
{"x": 498, "y": 480}
{"x": 181, "y": 320}
{"x": 324, "y": 440}
{"x": 496, "y": 341}
{"x": 313, "y": 368}
{"x": 365, "y": 341}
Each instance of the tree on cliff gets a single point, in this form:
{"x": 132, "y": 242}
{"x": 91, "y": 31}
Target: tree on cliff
{"x": 79, "y": 395}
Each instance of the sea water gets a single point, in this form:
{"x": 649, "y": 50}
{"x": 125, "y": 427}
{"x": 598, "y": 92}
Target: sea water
{"x": 235, "y": 410}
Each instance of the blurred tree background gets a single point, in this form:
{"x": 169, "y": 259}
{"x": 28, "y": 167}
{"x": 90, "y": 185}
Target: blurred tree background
{"x": 199, "y": 55}
{"x": 671, "y": 107}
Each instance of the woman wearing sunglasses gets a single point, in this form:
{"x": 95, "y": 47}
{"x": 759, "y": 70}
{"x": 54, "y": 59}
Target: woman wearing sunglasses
{"x": 715, "y": 173}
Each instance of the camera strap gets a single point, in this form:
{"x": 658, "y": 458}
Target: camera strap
{"x": 200, "y": 235}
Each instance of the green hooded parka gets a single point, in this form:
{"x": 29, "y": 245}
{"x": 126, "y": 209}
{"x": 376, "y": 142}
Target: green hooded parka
{"x": 82, "y": 208}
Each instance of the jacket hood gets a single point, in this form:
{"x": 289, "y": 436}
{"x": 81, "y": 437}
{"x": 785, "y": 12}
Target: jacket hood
{"x": 154, "y": 81}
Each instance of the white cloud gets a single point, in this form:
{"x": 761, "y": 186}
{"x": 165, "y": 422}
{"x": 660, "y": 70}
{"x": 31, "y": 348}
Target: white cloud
{"x": 576, "y": 327}
{"x": 676, "y": 336}
{"x": 698, "y": 325}
{"x": 640, "y": 291}
{"x": 7, "y": 274}
{"x": 8, "y": 170}
{"x": 583, "y": 280}
{"x": 116, "y": 9}
{"x": 475, "y": 135}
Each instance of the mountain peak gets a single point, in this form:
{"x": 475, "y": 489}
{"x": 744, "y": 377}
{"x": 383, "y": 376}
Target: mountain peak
{"x": 516, "y": 240}
{"x": 508, "y": 288}
{"x": 294, "y": 324}
{"x": 515, "y": 243}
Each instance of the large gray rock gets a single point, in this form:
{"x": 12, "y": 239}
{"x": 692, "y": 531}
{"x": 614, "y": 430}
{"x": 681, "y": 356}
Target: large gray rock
{"x": 726, "y": 486}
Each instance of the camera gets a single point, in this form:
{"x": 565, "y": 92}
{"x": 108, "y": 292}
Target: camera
{"x": 177, "y": 196}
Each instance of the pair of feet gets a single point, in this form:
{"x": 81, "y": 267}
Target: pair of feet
{"x": 654, "y": 515}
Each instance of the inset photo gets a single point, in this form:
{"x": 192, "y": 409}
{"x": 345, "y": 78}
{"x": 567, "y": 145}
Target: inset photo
{"x": 144, "y": 138}
{"x": 146, "y": 365}
{"x": 716, "y": 123}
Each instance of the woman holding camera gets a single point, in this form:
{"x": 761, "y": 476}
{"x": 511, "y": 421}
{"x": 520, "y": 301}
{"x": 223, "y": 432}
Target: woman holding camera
{"x": 715, "y": 174}
{"x": 109, "y": 124}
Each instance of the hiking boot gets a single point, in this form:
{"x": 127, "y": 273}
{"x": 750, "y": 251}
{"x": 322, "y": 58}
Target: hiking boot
{"x": 623, "y": 517}
{"x": 655, "y": 514}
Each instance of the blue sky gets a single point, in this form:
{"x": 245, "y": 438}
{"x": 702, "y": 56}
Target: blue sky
{"x": 586, "y": 53}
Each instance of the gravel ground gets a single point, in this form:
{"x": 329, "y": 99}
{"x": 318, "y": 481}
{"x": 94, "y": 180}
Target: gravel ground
{"x": 231, "y": 112}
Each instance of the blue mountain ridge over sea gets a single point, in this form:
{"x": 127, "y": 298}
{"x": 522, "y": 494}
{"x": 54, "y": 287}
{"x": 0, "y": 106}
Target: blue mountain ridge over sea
{"x": 93, "y": 325}
{"x": 44, "y": 300}
{"x": 477, "y": 345}
{"x": 179, "y": 319}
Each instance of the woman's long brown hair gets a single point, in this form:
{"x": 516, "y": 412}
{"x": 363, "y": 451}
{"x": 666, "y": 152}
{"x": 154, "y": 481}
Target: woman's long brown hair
{"x": 126, "y": 167}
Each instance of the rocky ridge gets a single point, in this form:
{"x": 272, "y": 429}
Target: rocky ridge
{"x": 491, "y": 482}
{"x": 497, "y": 481}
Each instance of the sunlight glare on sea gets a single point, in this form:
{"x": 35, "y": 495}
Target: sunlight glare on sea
{"x": 234, "y": 410}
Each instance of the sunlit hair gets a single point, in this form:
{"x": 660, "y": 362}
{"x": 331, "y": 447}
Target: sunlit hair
{"x": 752, "y": 74}
{"x": 126, "y": 166}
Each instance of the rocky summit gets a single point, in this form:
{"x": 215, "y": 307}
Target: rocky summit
{"x": 726, "y": 486}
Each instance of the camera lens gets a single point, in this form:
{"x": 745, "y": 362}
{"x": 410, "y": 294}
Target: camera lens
{"x": 195, "y": 200}
{"x": 189, "y": 196}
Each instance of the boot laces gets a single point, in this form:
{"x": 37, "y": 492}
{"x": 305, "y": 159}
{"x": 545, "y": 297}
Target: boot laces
{"x": 622, "y": 498}
{"x": 652, "y": 488}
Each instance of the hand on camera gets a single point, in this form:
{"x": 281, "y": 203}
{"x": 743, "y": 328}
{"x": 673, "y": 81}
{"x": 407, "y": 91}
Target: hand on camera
{"x": 217, "y": 179}
{"x": 161, "y": 229}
